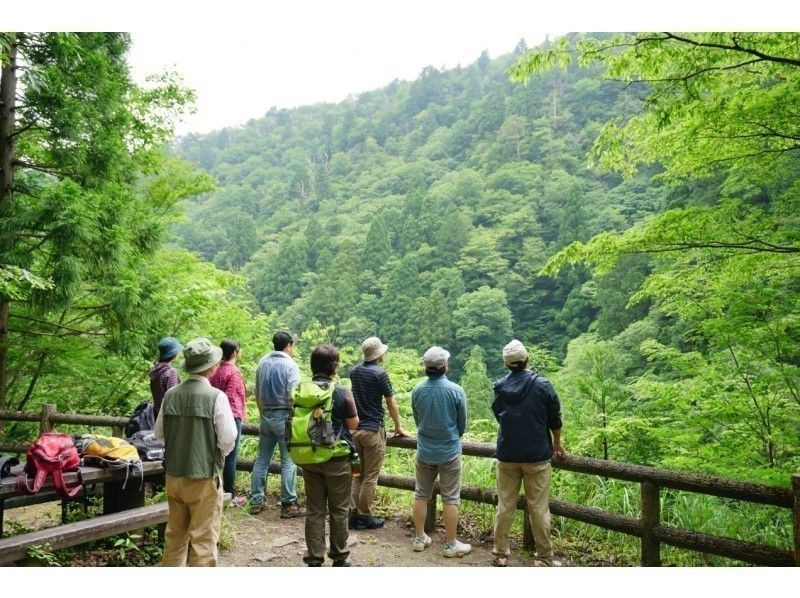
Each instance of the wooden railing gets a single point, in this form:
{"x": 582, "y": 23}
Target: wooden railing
{"x": 648, "y": 527}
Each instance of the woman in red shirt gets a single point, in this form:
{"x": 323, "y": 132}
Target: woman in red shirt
{"x": 229, "y": 380}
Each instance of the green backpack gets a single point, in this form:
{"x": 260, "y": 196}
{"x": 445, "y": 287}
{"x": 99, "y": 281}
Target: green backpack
{"x": 309, "y": 433}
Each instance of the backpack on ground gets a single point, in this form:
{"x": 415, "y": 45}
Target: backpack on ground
{"x": 149, "y": 447}
{"x": 110, "y": 453}
{"x": 309, "y": 431}
{"x": 143, "y": 418}
{"x": 50, "y": 455}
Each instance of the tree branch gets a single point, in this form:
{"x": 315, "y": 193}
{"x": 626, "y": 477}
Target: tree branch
{"x": 734, "y": 48}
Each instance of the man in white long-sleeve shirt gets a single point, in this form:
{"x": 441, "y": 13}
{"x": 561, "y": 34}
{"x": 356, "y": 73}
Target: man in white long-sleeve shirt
{"x": 197, "y": 425}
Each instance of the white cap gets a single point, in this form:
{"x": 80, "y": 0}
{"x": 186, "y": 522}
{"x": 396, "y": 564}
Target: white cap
{"x": 514, "y": 352}
{"x": 435, "y": 357}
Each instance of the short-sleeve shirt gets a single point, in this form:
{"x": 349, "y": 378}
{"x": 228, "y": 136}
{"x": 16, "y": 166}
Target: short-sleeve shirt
{"x": 276, "y": 375}
{"x": 344, "y": 407}
{"x": 440, "y": 412}
{"x": 370, "y": 385}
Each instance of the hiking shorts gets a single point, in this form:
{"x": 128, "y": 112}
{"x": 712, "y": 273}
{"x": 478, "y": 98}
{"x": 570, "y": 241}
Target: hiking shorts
{"x": 449, "y": 474}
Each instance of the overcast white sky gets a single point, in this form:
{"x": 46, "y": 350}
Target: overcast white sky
{"x": 244, "y": 57}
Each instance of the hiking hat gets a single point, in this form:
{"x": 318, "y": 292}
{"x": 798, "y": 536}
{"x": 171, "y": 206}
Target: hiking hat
{"x": 435, "y": 357}
{"x": 372, "y": 348}
{"x": 168, "y": 347}
{"x": 199, "y": 355}
{"x": 514, "y": 352}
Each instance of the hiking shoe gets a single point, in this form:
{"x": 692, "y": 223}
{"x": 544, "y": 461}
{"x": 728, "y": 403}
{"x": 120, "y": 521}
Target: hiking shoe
{"x": 420, "y": 544}
{"x": 369, "y": 522}
{"x": 341, "y": 563}
{"x": 256, "y": 508}
{"x": 292, "y": 510}
{"x": 457, "y": 548}
{"x": 546, "y": 562}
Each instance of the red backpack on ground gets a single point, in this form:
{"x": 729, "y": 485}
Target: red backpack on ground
{"x": 51, "y": 454}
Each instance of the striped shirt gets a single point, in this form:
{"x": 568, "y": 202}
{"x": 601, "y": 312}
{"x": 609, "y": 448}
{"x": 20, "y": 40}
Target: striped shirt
{"x": 370, "y": 385}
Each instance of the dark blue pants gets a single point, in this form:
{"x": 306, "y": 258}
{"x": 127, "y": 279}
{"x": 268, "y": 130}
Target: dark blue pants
{"x": 229, "y": 469}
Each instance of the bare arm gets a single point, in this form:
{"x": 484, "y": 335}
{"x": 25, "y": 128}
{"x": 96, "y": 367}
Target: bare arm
{"x": 394, "y": 412}
{"x": 558, "y": 448}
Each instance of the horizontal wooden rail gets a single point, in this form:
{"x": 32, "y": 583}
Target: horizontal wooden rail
{"x": 15, "y": 548}
{"x": 647, "y": 527}
{"x": 741, "y": 550}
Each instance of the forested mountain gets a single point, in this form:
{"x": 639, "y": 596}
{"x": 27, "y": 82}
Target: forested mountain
{"x": 621, "y": 214}
{"x": 423, "y": 211}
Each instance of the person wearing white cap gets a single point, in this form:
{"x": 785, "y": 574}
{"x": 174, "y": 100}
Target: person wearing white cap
{"x": 440, "y": 412}
{"x": 371, "y": 387}
{"x": 528, "y": 410}
{"x": 198, "y": 429}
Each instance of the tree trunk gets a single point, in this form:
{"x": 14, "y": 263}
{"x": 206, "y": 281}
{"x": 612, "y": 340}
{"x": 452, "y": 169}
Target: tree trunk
{"x": 8, "y": 94}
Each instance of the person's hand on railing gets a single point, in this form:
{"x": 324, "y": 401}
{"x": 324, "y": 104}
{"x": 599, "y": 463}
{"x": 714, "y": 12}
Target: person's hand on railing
{"x": 558, "y": 451}
{"x": 399, "y": 433}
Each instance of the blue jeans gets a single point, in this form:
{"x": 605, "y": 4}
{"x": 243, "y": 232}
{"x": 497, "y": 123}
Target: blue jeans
{"x": 229, "y": 469}
{"x": 271, "y": 432}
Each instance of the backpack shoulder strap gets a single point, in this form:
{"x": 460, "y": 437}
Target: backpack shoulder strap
{"x": 62, "y": 488}
{"x": 24, "y": 484}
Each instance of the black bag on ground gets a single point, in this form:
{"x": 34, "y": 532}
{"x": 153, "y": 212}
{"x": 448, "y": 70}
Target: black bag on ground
{"x": 143, "y": 418}
{"x": 149, "y": 447}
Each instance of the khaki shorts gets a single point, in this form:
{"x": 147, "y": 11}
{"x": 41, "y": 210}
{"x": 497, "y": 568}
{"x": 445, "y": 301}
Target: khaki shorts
{"x": 449, "y": 474}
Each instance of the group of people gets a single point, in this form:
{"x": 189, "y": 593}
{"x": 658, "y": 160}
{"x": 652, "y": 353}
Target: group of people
{"x": 200, "y": 420}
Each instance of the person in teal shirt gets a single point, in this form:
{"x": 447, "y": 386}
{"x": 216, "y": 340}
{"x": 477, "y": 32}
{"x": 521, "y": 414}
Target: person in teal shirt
{"x": 440, "y": 412}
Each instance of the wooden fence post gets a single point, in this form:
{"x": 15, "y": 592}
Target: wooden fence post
{"x": 45, "y": 424}
{"x": 651, "y": 518}
{"x": 528, "y": 542}
{"x": 796, "y": 517}
{"x": 430, "y": 517}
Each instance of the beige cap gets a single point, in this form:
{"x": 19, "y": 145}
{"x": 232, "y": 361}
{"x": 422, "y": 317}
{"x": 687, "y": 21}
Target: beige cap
{"x": 199, "y": 355}
{"x": 435, "y": 357}
{"x": 514, "y": 352}
{"x": 372, "y": 348}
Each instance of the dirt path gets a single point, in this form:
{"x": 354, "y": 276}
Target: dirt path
{"x": 266, "y": 540}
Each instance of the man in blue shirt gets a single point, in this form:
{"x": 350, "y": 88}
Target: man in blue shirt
{"x": 440, "y": 412}
{"x": 276, "y": 376}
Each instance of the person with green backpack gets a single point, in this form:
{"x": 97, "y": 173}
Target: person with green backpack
{"x": 319, "y": 441}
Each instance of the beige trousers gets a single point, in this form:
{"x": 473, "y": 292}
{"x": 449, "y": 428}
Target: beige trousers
{"x": 536, "y": 479}
{"x": 371, "y": 447}
{"x": 193, "y": 525}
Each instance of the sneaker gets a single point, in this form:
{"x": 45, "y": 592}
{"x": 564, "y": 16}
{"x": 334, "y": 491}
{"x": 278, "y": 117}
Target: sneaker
{"x": 292, "y": 510}
{"x": 256, "y": 508}
{"x": 341, "y": 563}
{"x": 420, "y": 544}
{"x": 457, "y": 548}
{"x": 369, "y": 522}
{"x": 546, "y": 562}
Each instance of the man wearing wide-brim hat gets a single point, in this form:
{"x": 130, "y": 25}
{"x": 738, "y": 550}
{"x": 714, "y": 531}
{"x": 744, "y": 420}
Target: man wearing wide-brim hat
{"x": 371, "y": 386}
{"x": 198, "y": 429}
